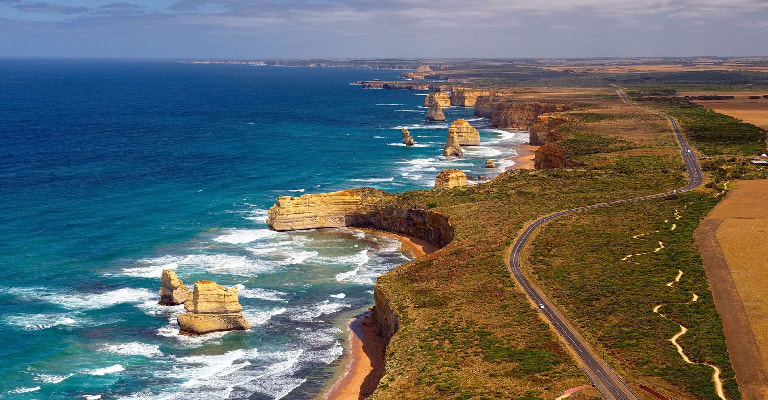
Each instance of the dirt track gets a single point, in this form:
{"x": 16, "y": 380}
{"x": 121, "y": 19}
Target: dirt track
{"x": 732, "y": 240}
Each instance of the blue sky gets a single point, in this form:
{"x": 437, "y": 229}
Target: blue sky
{"x": 259, "y": 29}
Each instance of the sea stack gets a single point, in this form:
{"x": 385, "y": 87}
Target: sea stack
{"x": 452, "y": 147}
{"x": 172, "y": 290}
{"x": 435, "y": 112}
{"x": 442, "y": 98}
{"x": 212, "y": 308}
{"x": 466, "y": 133}
{"x": 490, "y": 164}
{"x": 407, "y": 138}
{"x": 450, "y": 178}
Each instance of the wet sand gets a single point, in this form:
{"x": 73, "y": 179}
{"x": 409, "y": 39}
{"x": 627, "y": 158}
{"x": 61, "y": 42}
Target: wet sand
{"x": 524, "y": 158}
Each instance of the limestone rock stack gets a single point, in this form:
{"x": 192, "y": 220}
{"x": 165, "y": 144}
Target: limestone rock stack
{"x": 172, "y": 290}
{"x": 322, "y": 210}
{"x": 442, "y": 98}
{"x": 212, "y": 308}
{"x": 452, "y": 147}
{"x": 407, "y": 138}
{"x": 467, "y": 135}
{"x": 435, "y": 113}
{"x": 490, "y": 164}
{"x": 450, "y": 178}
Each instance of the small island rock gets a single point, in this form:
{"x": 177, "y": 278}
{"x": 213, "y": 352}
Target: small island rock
{"x": 407, "y": 138}
{"x": 490, "y": 164}
{"x": 452, "y": 147}
{"x": 212, "y": 308}
{"x": 172, "y": 290}
{"x": 435, "y": 112}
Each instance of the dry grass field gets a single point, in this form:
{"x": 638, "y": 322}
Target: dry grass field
{"x": 753, "y": 111}
{"x": 740, "y": 225}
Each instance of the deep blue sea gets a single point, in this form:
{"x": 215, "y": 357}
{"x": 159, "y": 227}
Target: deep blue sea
{"x": 111, "y": 171}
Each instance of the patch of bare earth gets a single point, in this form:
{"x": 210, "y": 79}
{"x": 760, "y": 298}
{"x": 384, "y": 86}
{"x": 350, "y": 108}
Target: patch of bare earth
{"x": 753, "y": 111}
{"x": 732, "y": 241}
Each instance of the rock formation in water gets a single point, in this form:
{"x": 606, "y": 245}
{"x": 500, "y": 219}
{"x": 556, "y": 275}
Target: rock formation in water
{"x": 490, "y": 164}
{"x": 466, "y": 134}
{"x": 407, "y": 138}
{"x": 435, "y": 113}
{"x": 212, "y": 308}
{"x": 172, "y": 290}
{"x": 442, "y": 98}
{"x": 452, "y": 147}
{"x": 450, "y": 178}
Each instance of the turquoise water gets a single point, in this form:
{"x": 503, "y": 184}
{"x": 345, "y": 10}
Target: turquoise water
{"x": 112, "y": 171}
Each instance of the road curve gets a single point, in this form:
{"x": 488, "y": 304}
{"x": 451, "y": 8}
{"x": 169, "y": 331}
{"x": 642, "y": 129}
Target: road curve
{"x": 605, "y": 379}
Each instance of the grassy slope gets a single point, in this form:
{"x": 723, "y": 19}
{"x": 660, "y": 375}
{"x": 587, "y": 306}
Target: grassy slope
{"x": 468, "y": 331}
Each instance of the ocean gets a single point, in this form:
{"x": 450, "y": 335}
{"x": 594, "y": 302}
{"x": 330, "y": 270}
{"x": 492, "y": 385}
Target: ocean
{"x": 111, "y": 171}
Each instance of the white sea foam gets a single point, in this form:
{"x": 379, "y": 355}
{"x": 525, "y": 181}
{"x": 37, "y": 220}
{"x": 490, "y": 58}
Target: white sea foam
{"x": 24, "y": 390}
{"x": 347, "y": 276}
{"x": 133, "y": 349}
{"x": 373, "y": 180}
{"x": 432, "y": 125}
{"x": 52, "y": 379}
{"x": 297, "y": 190}
{"x": 309, "y": 313}
{"x": 256, "y": 317}
{"x": 36, "y": 322}
{"x": 339, "y": 296}
{"x": 219, "y": 263}
{"x": 259, "y": 215}
{"x": 113, "y": 369}
{"x": 418, "y": 145}
{"x": 83, "y": 301}
{"x": 481, "y": 151}
{"x": 240, "y": 236}
{"x": 261, "y": 294}
{"x": 416, "y": 111}
{"x": 91, "y": 397}
{"x": 390, "y": 104}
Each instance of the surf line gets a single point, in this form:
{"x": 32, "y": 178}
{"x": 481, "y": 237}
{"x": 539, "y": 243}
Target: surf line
{"x": 683, "y": 330}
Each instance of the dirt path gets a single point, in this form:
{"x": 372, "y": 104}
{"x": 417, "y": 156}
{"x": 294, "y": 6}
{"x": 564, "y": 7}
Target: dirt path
{"x": 732, "y": 241}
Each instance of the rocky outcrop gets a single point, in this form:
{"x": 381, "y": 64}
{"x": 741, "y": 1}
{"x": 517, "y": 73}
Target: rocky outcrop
{"x": 490, "y": 164}
{"x": 172, "y": 290}
{"x": 450, "y": 178}
{"x": 407, "y": 138}
{"x": 442, "y": 98}
{"x": 363, "y": 208}
{"x": 212, "y": 308}
{"x": 385, "y": 317}
{"x": 466, "y": 134}
{"x": 552, "y": 156}
{"x": 545, "y": 129}
{"x": 466, "y": 97}
{"x": 435, "y": 113}
{"x": 452, "y": 147}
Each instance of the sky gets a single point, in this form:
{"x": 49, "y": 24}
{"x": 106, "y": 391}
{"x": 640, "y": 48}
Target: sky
{"x": 264, "y": 29}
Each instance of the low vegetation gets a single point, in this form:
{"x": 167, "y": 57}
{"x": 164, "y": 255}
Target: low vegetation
{"x": 468, "y": 332}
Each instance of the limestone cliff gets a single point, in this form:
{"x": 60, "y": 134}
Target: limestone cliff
{"x": 212, "y": 308}
{"x": 172, "y": 290}
{"x": 466, "y": 134}
{"x": 435, "y": 112}
{"x": 407, "y": 138}
{"x": 450, "y": 178}
{"x": 463, "y": 97}
{"x": 552, "y": 156}
{"x": 452, "y": 147}
{"x": 507, "y": 112}
{"x": 385, "y": 317}
{"x": 545, "y": 129}
{"x": 363, "y": 208}
{"x": 442, "y": 98}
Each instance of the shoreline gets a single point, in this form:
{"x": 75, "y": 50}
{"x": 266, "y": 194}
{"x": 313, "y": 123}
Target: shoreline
{"x": 524, "y": 158}
{"x": 364, "y": 362}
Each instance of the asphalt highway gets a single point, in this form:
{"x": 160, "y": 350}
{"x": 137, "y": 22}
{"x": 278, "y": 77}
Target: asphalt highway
{"x": 605, "y": 379}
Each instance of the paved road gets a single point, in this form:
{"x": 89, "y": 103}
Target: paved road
{"x": 605, "y": 379}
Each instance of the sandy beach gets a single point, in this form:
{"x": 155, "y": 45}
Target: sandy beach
{"x": 365, "y": 359}
{"x": 524, "y": 158}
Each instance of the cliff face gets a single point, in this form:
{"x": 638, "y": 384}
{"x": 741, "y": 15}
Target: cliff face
{"x": 508, "y": 113}
{"x": 385, "y": 317}
{"x": 363, "y": 208}
{"x": 466, "y": 134}
{"x": 466, "y": 97}
{"x": 544, "y": 129}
